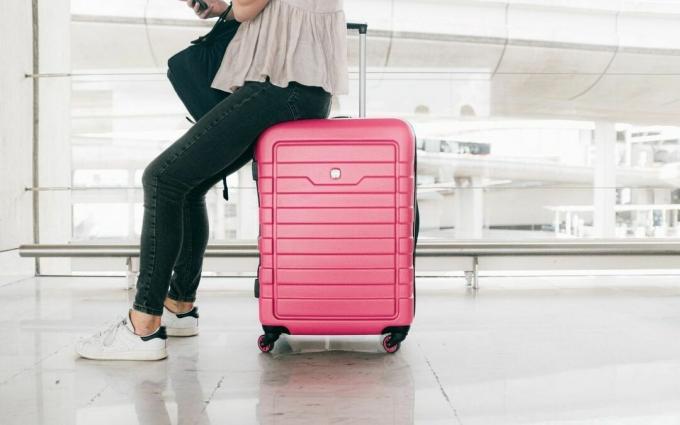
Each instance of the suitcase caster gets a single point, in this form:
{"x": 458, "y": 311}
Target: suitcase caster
{"x": 394, "y": 335}
{"x": 266, "y": 342}
{"x": 391, "y": 345}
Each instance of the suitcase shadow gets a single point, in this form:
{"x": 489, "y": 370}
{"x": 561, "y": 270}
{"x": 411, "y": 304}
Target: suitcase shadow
{"x": 299, "y": 344}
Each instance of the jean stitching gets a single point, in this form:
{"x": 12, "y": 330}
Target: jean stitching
{"x": 147, "y": 289}
{"x": 152, "y": 254}
{"x": 291, "y": 103}
{"x": 146, "y": 286}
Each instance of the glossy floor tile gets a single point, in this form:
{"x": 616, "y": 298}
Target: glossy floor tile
{"x": 601, "y": 350}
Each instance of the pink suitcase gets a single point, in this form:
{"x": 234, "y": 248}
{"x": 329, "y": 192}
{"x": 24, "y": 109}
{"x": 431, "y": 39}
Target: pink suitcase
{"x": 337, "y": 228}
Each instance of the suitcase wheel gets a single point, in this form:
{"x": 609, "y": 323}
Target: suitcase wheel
{"x": 264, "y": 344}
{"x": 389, "y": 346}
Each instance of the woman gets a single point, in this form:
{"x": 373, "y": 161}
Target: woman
{"x": 286, "y": 60}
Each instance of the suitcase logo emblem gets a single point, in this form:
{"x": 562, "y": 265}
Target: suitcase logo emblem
{"x": 335, "y": 173}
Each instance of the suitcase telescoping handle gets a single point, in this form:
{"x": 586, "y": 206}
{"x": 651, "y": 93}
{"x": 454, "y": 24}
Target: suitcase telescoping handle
{"x": 362, "y": 28}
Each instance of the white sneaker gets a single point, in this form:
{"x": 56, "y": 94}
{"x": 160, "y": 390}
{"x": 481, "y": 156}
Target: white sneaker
{"x": 119, "y": 342}
{"x": 183, "y": 324}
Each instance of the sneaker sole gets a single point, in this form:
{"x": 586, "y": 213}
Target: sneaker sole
{"x": 181, "y": 331}
{"x": 130, "y": 355}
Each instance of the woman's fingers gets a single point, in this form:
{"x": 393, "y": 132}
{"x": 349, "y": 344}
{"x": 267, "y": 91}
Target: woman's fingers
{"x": 206, "y": 13}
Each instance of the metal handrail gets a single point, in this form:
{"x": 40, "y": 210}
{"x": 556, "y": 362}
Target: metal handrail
{"x": 94, "y": 250}
{"x": 550, "y": 247}
{"x": 424, "y": 249}
{"x": 471, "y": 249}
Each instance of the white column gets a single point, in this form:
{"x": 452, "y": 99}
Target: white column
{"x": 569, "y": 228}
{"x": 629, "y": 149}
{"x": 604, "y": 180}
{"x": 469, "y": 208}
{"x": 16, "y": 135}
{"x": 55, "y": 129}
{"x": 663, "y": 197}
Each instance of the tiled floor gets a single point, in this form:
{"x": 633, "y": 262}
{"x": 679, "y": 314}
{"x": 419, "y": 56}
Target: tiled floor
{"x": 599, "y": 350}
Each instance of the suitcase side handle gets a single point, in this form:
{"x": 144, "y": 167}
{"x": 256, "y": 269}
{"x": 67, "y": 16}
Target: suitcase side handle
{"x": 362, "y": 27}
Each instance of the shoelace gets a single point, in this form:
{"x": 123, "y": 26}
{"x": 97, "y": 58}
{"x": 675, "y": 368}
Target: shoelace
{"x": 109, "y": 333}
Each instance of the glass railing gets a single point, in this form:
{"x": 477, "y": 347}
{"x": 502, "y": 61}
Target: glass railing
{"x": 505, "y": 132}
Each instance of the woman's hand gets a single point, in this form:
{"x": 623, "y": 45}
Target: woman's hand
{"x": 215, "y": 8}
{"x": 245, "y": 10}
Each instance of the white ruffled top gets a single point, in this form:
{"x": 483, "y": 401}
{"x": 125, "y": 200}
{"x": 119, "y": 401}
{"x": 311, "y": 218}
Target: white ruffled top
{"x": 290, "y": 40}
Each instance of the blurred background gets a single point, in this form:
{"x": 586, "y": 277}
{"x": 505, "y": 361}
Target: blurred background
{"x": 536, "y": 119}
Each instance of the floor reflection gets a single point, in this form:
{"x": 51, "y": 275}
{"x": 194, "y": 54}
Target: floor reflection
{"x": 162, "y": 393}
{"x": 304, "y": 383}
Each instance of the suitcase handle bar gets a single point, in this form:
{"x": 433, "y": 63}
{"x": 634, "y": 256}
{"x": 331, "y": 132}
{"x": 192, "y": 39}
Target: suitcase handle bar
{"x": 363, "y": 29}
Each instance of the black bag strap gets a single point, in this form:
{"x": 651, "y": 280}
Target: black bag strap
{"x": 218, "y": 25}
{"x": 224, "y": 15}
{"x": 222, "y": 19}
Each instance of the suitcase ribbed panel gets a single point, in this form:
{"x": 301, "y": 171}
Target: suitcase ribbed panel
{"x": 336, "y": 217}
{"x": 304, "y": 169}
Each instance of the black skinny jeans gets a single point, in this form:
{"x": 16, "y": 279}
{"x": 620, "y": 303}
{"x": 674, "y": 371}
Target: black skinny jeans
{"x": 175, "y": 226}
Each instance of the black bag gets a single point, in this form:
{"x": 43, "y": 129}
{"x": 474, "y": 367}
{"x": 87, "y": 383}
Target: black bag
{"x": 192, "y": 70}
